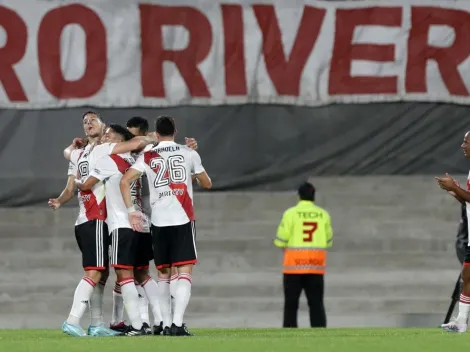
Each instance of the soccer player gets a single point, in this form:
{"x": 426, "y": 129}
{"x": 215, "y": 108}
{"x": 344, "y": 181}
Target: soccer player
{"x": 449, "y": 184}
{"x": 139, "y": 126}
{"x": 90, "y": 228}
{"x": 96, "y": 327}
{"x": 169, "y": 168}
{"x": 125, "y": 242}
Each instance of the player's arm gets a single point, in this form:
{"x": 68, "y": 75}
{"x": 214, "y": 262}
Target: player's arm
{"x": 284, "y": 230}
{"x": 134, "y": 144}
{"x": 88, "y": 184}
{"x": 459, "y": 199}
{"x": 76, "y": 144}
{"x": 66, "y": 195}
{"x": 69, "y": 190}
{"x": 449, "y": 184}
{"x": 199, "y": 173}
{"x": 461, "y": 194}
{"x": 131, "y": 175}
{"x": 203, "y": 180}
{"x": 136, "y": 218}
{"x": 105, "y": 168}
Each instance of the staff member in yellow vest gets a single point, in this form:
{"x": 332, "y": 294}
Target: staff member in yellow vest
{"x": 305, "y": 234}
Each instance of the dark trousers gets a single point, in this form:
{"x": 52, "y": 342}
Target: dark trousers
{"x": 313, "y": 285}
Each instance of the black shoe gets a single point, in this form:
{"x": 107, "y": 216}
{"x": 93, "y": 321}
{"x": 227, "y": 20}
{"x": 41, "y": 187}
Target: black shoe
{"x": 121, "y": 327}
{"x": 134, "y": 332}
{"x": 180, "y": 330}
{"x": 166, "y": 331}
{"x": 147, "y": 329}
{"x": 158, "y": 329}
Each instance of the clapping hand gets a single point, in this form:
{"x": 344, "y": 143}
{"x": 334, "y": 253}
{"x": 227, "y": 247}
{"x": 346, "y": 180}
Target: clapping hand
{"x": 447, "y": 183}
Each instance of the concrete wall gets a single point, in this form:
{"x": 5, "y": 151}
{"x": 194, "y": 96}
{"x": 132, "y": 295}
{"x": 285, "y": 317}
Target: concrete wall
{"x": 393, "y": 261}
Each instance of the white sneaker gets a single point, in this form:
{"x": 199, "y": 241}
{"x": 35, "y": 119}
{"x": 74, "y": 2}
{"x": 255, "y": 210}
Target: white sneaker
{"x": 453, "y": 326}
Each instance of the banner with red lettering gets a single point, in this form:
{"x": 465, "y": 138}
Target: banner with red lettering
{"x": 165, "y": 53}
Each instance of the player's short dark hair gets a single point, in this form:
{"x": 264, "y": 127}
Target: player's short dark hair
{"x": 139, "y": 122}
{"x": 165, "y": 126}
{"x": 91, "y": 112}
{"x": 122, "y": 131}
{"x": 307, "y": 191}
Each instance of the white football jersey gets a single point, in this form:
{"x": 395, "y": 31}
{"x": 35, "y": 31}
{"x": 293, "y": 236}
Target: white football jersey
{"x": 143, "y": 180}
{"x": 92, "y": 203}
{"x": 168, "y": 167}
{"x": 468, "y": 205}
{"x": 109, "y": 169}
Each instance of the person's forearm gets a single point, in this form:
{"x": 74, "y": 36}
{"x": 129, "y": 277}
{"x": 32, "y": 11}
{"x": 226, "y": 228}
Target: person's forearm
{"x": 462, "y": 194}
{"x": 459, "y": 199}
{"x": 126, "y": 194}
{"x": 135, "y": 143}
{"x": 65, "y": 196}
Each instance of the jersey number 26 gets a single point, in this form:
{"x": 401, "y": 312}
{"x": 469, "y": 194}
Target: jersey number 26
{"x": 168, "y": 171}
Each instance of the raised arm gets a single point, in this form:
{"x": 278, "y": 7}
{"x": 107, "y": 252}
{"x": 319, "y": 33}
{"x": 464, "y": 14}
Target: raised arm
{"x": 134, "y": 144}
{"x": 76, "y": 144}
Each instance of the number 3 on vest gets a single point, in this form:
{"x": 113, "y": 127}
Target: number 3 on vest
{"x": 309, "y": 230}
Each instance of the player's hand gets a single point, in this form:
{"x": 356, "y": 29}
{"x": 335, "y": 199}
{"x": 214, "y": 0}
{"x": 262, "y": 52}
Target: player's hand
{"x": 153, "y": 136}
{"x": 136, "y": 219}
{"x": 447, "y": 183}
{"x": 79, "y": 142}
{"x": 191, "y": 143}
{"x": 54, "y": 204}
{"x": 452, "y": 193}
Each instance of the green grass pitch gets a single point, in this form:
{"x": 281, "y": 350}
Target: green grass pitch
{"x": 243, "y": 340}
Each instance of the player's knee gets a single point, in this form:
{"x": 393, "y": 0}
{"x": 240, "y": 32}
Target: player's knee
{"x": 124, "y": 274}
{"x": 466, "y": 274}
{"x": 141, "y": 275}
{"x": 164, "y": 273}
{"x": 94, "y": 275}
{"x": 187, "y": 269}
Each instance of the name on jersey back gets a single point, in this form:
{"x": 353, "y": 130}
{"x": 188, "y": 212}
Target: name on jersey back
{"x": 171, "y": 148}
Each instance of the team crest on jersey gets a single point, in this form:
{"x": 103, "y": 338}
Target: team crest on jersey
{"x": 83, "y": 169}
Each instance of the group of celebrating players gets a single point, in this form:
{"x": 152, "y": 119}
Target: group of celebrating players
{"x": 116, "y": 228}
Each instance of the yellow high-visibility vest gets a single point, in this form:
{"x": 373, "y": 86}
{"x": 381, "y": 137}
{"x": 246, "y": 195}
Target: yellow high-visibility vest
{"x": 305, "y": 232}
